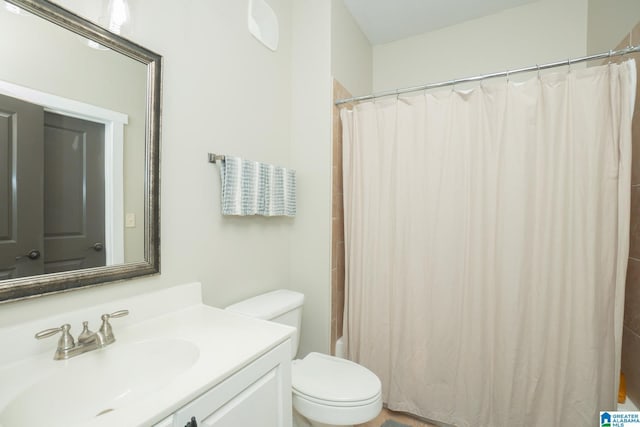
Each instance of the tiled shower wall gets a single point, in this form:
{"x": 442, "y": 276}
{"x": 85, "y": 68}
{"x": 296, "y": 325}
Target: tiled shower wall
{"x": 337, "y": 222}
{"x": 631, "y": 332}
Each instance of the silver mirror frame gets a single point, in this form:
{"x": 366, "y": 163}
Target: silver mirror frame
{"x": 45, "y": 284}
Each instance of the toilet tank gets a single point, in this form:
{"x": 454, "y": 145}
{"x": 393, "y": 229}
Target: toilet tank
{"x": 281, "y": 306}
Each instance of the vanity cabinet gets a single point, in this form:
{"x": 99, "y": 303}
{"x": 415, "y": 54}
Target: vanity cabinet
{"x": 259, "y": 394}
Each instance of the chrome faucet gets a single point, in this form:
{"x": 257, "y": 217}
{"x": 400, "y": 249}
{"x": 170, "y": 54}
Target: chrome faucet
{"x": 87, "y": 340}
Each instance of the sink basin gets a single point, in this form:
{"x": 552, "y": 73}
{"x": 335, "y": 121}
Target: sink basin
{"x": 99, "y": 382}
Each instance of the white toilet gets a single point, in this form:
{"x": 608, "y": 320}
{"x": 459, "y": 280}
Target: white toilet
{"x": 327, "y": 391}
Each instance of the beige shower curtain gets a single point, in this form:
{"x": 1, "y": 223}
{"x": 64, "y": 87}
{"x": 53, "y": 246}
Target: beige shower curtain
{"x": 486, "y": 238}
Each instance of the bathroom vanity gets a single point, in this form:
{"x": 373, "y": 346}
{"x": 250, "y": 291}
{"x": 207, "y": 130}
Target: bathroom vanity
{"x": 174, "y": 360}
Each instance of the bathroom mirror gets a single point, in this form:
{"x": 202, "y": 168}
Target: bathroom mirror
{"x": 79, "y": 153}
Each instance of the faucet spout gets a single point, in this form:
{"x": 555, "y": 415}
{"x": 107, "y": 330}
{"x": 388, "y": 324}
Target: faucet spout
{"x": 96, "y": 339}
{"x": 100, "y": 339}
{"x": 89, "y": 338}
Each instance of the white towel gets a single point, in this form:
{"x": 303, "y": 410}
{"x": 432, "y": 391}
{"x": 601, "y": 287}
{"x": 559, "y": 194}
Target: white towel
{"x": 254, "y": 188}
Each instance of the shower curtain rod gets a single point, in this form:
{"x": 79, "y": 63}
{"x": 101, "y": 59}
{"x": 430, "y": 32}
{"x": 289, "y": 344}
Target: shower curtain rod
{"x": 568, "y": 62}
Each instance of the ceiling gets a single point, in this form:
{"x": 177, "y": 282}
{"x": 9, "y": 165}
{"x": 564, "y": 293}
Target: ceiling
{"x": 383, "y": 21}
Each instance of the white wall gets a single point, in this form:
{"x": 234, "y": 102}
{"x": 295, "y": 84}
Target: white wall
{"x": 543, "y": 31}
{"x": 351, "y": 52}
{"x": 311, "y": 154}
{"x": 222, "y": 92}
{"x": 609, "y": 22}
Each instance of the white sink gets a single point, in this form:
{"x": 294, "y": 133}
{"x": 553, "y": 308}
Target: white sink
{"x": 99, "y": 382}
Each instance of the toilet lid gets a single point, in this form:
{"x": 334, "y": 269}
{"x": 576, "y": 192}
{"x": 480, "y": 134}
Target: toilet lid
{"x": 333, "y": 379}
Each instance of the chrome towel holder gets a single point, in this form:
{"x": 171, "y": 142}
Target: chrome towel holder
{"x": 213, "y": 158}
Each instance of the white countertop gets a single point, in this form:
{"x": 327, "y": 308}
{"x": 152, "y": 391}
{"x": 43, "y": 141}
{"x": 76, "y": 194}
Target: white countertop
{"x": 226, "y": 343}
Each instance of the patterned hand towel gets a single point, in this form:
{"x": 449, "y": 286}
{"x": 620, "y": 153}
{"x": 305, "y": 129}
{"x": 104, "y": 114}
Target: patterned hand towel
{"x": 254, "y": 188}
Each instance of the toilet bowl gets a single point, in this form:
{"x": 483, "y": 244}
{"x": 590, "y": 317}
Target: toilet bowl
{"x": 331, "y": 391}
{"x": 327, "y": 390}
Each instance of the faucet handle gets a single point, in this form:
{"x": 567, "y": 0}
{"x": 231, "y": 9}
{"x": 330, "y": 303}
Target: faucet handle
{"x": 119, "y": 313}
{"x": 106, "y": 329}
{"x": 65, "y": 342}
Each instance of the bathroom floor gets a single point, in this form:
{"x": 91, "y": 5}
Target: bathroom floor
{"x": 396, "y": 416}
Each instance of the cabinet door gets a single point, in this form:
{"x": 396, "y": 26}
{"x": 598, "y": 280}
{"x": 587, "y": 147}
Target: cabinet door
{"x": 253, "y": 407}
{"x": 259, "y": 395}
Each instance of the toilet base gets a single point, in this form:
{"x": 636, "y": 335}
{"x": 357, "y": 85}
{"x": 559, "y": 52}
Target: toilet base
{"x": 300, "y": 421}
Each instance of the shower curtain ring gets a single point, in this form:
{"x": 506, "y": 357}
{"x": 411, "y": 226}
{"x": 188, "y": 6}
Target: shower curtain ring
{"x": 569, "y": 64}
{"x": 538, "y": 68}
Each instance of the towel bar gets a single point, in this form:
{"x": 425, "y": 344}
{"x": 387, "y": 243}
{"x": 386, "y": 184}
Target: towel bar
{"x": 213, "y": 158}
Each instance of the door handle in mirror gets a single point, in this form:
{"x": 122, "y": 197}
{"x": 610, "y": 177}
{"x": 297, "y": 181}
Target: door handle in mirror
{"x": 33, "y": 254}
{"x": 97, "y": 247}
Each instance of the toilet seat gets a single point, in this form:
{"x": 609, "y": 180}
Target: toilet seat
{"x": 337, "y": 404}
{"x": 336, "y": 381}
{"x": 335, "y": 391}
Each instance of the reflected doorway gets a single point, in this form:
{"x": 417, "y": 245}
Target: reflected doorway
{"x": 52, "y": 191}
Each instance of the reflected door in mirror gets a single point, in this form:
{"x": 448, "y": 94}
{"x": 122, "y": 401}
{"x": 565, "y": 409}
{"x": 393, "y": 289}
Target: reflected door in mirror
{"x": 52, "y": 191}
{"x": 21, "y": 198}
{"x": 73, "y": 193}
